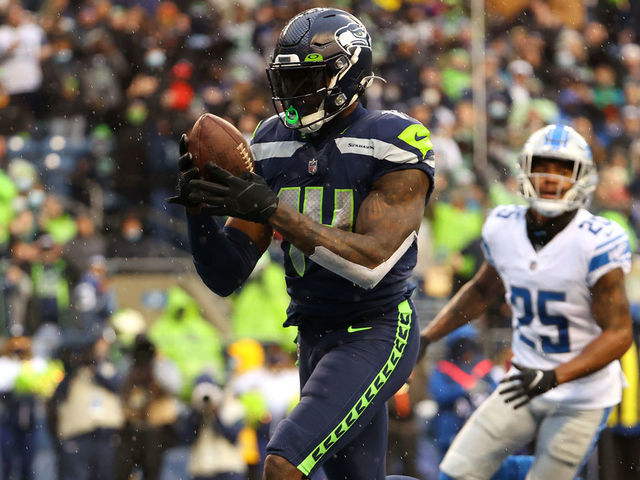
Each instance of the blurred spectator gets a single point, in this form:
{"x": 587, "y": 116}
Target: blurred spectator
{"x": 95, "y": 299}
{"x": 403, "y": 432}
{"x": 50, "y": 284}
{"x": 85, "y": 412}
{"x": 192, "y": 343}
{"x": 521, "y": 72}
{"x": 133, "y": 242}
{"x": 458, "y": 384}
{"x": 281, "y": 387}
{"x": 259, "y": 308}
{"x": 17, "y": 290}
{"x": 248, "y": 381}
{"x": 86, "y": 244}
{"x": 21, "y": 50}
{"x": 215, "y": 423}
{"x": 17, "y": 413}
{"x": 54, "y": 220}
{"x": 150, "y": 413}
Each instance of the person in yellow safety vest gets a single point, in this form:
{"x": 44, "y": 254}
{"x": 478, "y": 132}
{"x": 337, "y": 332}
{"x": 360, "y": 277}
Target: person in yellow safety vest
{"x": 619, "y": 445}
{"x": 260, "y": 306}
{"x": 50, "y": 284}
{"x": 23, "y": 381}
{"x": 8, "y": 191}
{"x": 186, "y": 338}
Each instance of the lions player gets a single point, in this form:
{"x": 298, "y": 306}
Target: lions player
{"x": 351, "y": 186}
{"x": 562, "y": 271}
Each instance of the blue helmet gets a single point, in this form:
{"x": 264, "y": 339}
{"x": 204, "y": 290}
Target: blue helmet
{"x": 321, "y": 65}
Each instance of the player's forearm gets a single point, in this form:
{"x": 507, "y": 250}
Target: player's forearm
{"x": 307, "y": 235}
{"x": 610, "y": 309}
{"x": 466, "y": 305}
{"x": 610, "y": 345}
{"x": 223, "y": 258}
{"x": 471, "y": 301}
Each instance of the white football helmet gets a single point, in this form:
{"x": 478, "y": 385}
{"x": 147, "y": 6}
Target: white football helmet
{"x": 559, "y": 142}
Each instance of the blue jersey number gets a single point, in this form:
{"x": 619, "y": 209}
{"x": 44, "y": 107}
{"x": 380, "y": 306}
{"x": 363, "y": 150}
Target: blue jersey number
{"x": 595, "y": 224}
{"x": 312, "y": 203}
{"x": 522, "y": 296}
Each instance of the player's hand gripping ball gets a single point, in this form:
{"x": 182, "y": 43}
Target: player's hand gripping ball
{"x": 187, "y": 172}
{"x": 217, "y": 178}
{"x": 247, "y": 197}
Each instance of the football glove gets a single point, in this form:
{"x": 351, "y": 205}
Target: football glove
{"x": 247, "y": 196}
{"x": 187, "y": 172}
{"x": 528, "y": 383}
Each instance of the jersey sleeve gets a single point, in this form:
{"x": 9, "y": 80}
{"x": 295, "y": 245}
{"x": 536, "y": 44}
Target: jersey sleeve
{"x": 401, "y": 143}
{"x": 611, "y": 250}
{"x": 494, "y": 227}
{"x": 259, "y": 136}
{"x": 487, "y": 237}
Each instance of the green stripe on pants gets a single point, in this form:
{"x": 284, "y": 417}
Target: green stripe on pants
{"x": 402, "y": 332}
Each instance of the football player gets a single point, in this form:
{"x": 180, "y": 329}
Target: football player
{"x": 561, "y": 269}
{"x": 346, "y": 188}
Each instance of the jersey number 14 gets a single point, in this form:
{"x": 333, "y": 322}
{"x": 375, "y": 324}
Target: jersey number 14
{"x": 312, "y": 202}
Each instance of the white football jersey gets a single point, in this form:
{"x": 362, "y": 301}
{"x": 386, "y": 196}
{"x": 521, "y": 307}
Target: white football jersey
{"x": 549, "y": 295}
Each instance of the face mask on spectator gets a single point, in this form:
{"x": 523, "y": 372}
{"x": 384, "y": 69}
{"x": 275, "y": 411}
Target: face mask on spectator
{"x": 64, "y": 56}
{"x": 137, "y": 114}
{"x": 132, "y": 234}
{"x": 155, "y": 58}
{"x": 35, "y": 199}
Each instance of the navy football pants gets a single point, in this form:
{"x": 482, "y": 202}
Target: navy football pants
{"x": 346, "y": 377}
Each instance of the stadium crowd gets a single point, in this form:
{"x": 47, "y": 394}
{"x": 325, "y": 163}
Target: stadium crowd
{"x": 93, "y": 98}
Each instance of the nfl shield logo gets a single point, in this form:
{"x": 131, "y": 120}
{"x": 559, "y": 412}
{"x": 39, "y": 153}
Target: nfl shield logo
{"x": 313, "y": 166}
{"x": 533, "y": 265}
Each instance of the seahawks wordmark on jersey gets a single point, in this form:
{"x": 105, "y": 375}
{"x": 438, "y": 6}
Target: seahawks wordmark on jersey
{"x": 549, "y": 294}
{"x": 326, "y": 177}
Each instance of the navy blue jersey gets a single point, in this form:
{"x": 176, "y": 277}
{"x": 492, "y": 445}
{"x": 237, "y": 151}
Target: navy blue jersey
{"x": 326, "y": 176}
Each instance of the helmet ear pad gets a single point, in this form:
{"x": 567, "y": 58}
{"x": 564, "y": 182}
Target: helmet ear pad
{"x": 350, "y": 84}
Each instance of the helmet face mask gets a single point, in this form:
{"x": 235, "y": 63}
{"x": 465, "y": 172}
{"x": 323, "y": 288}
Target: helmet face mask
{"x": 553, "y": 193}
{"x": 320, "y": 67}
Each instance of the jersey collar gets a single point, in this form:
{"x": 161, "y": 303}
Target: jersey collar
{"x": 542, "y": 233}
{"x": 336, "y": 127}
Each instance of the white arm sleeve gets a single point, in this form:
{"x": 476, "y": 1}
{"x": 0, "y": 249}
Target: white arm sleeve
{"x": 358, "y": 274}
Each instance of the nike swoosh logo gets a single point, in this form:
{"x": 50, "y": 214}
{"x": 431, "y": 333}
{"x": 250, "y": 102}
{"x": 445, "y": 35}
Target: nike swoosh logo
{"x": 418, "y": 138}
{"x": 353, "y": 329}
{"x": 536, "y": 379}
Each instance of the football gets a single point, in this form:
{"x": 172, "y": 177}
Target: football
{"x": 213, "y": 139}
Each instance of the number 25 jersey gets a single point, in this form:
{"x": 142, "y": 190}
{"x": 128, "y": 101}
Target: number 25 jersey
{"x": 549, "y": 294}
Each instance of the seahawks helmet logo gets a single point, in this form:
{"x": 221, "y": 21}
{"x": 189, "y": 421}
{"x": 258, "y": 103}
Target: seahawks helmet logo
{"x": 351, "y": 36}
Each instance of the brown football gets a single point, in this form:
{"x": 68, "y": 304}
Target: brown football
{"x": 213, "y": 139}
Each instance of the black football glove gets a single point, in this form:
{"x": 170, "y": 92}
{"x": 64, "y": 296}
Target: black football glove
{"x": 247, "y": 196}
{"x": 187, "y": 173}
{"x": 529, "y": 383}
